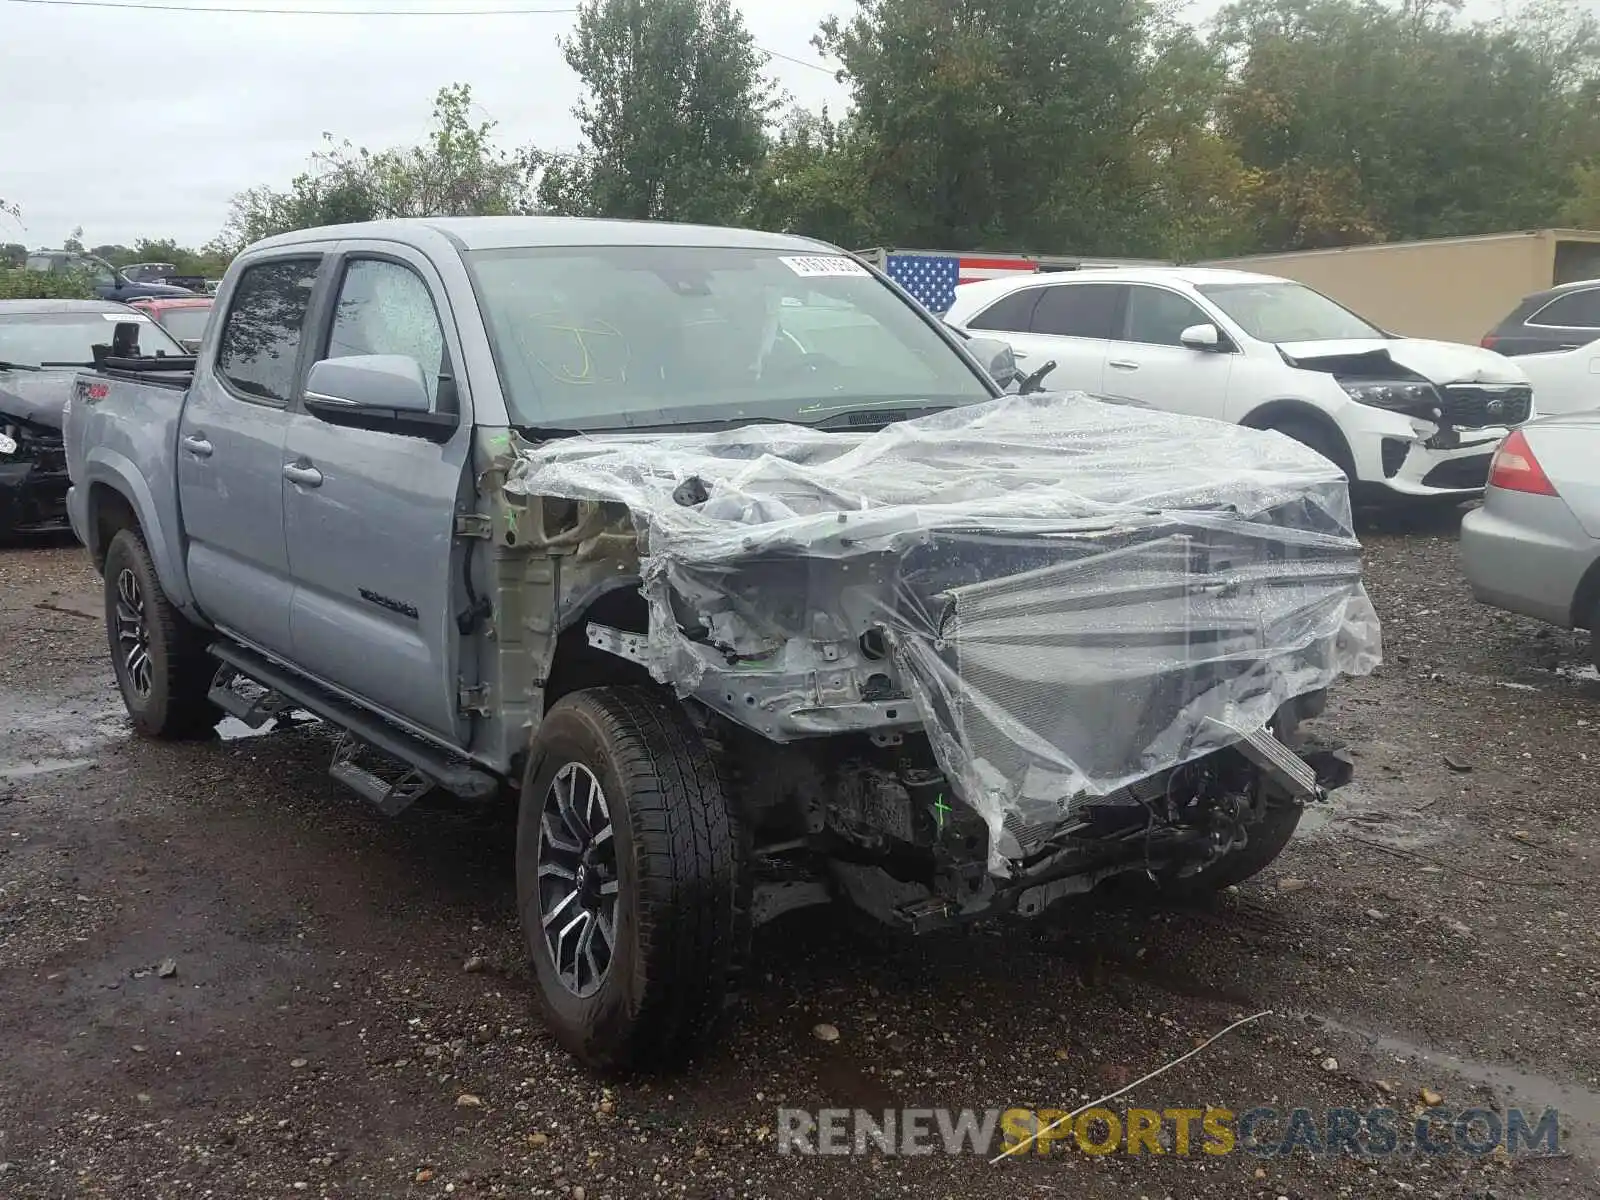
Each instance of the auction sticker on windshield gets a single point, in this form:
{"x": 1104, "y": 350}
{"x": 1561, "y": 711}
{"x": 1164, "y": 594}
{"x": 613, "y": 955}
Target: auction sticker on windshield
{"x": 815, "y": 265}
{"x": 126, "y": 318}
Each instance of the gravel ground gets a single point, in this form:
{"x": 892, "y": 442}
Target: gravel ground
{"x": 221, "y": 975}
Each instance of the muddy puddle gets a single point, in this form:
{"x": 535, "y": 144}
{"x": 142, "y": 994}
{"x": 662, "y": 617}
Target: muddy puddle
{"x": 1511, "y": 1087}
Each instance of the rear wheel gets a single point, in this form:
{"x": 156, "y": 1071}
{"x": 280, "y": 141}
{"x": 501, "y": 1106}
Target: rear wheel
{"x": 159, "y": 658}
{"x": 632, "y": 879}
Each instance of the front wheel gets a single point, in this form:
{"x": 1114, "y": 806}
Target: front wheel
{"x": 1325, "y": 440}
{"x": 159, "y": 658}
{"x": 1267, "y": 839}
{"x": 632, "y": 879}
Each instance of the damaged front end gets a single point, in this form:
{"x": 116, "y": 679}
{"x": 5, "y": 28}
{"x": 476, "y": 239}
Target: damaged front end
{"x": 1456, "y": 399}
{"x": 986, "y": 659}
{"x": 33, "y": 478}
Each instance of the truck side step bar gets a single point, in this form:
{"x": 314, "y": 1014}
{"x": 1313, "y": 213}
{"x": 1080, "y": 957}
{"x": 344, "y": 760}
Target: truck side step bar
{"x": 254, "y": 711}
{"x": 428, "y": 766}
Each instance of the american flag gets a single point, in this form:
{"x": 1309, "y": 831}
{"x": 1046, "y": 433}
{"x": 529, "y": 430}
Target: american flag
{"x": 932, "y": 278}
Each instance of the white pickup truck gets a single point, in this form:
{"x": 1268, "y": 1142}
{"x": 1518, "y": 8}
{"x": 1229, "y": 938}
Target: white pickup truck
{"x": 733, "y": 568}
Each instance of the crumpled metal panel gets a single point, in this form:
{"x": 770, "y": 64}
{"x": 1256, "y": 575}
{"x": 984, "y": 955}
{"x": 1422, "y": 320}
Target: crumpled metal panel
{"x": 1068, "y": 595}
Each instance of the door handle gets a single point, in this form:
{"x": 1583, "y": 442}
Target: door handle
{"x": 197, "y": 445}
{"x": 303, "y": 474}
{"x": 1123, "y": 364}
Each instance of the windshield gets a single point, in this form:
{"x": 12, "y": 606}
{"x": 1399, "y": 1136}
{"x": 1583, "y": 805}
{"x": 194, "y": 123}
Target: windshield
{"x": 612, "y": 336}
{"x": 188, "y": 323}
{"x": 1287, "y": 312}
{"x": 68, "y": 338}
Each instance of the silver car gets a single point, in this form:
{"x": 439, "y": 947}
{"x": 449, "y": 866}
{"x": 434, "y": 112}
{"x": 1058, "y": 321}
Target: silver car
{"x": 1534, "y": 546}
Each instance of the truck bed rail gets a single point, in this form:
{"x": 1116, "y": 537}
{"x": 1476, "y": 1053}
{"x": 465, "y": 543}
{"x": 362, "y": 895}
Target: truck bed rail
{"x": 174, "y": 370}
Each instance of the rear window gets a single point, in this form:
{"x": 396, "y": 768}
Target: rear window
{"x": 186, "y": 324}
{"x": 260, "y": 346}
{"x": 1009, "y": 314}
{"x": 67, "y": 339}
{"x": 1086, "y": 310}
{"x": 1575, "y": 310}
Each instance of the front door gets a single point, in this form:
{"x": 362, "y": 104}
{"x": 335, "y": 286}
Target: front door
{"x": 1146, "y": 362}
{"x": 369, "y": 515}
{"x": 230, "y": 454}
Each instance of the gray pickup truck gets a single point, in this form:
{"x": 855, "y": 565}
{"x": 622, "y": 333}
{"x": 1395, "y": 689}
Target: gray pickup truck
{"x": 740, "y": 573}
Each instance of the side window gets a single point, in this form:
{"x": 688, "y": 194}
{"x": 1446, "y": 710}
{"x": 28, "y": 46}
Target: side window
{"x": 99, "y": 273}
{"x": 1575, "y": 310}
{"x": 1009, "y": 314}
{"x": 1086, "y": 310}
{"x": 1157, "y": 316}
{"x": 260, "y": 342}
{"x": 385, "y": 308}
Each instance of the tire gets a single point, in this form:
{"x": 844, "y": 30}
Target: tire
{"x": 670, "y": 880}
{"x": 1325, "y": 441}
{"x": 1267, "y": 841}
{"x": 160, "y": 660}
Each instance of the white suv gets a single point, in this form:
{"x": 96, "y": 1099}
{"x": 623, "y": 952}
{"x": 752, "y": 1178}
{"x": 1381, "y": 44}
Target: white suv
{"x": 1398, "y": 415}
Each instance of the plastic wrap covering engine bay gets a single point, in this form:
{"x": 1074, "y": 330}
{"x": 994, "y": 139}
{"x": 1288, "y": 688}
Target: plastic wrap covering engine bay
{"x": 1068, "y": 596}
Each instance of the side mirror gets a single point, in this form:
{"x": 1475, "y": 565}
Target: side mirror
{"x": 386, "y": 393}
{"x": 997, "y": 358}
{"x": 1201, "y": 337}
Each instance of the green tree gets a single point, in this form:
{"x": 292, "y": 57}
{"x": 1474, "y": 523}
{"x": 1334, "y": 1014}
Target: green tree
{"x": 997, "y": 122}
{"x": 457, "y": 171}
{"x": 43, "y": 285}
{"x": 1367, "y": 121}
{"x": 813, "y": 181}
{"x": 1582, "y": 209}
{"x": 74, "y": 241}
{"x": 674, "y": 117}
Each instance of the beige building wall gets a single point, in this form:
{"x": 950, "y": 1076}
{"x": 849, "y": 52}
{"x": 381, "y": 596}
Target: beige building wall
{"x": 1455, "y": 289}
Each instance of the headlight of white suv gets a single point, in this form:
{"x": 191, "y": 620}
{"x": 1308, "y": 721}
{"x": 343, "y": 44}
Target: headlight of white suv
{"x": 8, "y": 445}
{"x": 1408, "y": 396}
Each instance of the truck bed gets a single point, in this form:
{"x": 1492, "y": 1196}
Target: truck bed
{"x": 122, "y": 432}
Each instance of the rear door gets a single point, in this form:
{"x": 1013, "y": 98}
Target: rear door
{"x": 230, "y": 452}
{"x": 370, "y": 514}
{"x": 1072, "y": 326}
{"x": 1148, "y": 363}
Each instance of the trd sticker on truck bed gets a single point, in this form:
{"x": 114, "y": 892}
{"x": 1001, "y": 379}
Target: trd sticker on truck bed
{"x": 399, "y": 606}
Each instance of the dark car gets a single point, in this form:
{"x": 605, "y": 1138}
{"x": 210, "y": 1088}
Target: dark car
{"x": 43, "y": 346}
{"x": 108, "y": 282}
{"x": 1558, "y": 318}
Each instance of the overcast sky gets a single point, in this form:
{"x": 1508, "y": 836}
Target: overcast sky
{"x": 198, "y": 106}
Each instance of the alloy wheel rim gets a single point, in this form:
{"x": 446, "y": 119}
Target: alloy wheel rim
{"x": 133, "y": 633}
{"x": 577, "y": 880}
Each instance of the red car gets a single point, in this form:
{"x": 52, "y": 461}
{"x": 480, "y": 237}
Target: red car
{"x": 184, "y": 317}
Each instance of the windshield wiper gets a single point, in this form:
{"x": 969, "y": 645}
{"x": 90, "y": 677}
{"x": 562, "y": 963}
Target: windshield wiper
{"x": 876, "y": 418}
{"x": 66, "y": 364}
{"x": 11, "y": 366}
